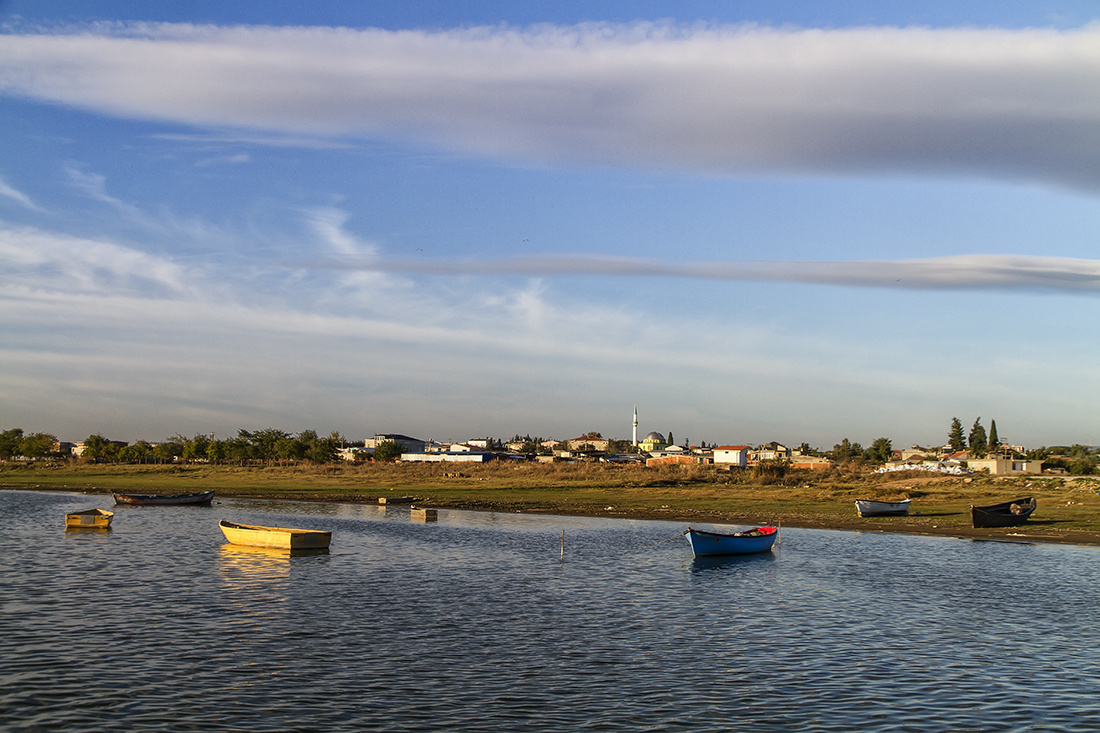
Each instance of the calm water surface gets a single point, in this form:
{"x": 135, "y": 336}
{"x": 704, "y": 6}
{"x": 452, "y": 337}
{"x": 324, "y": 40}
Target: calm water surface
{"x": 475, "y": 622}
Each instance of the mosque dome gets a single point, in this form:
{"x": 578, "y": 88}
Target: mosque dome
{"x": 655, "y": 436}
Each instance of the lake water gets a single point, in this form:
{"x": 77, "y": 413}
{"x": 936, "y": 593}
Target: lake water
{"x": 477, "y": 622}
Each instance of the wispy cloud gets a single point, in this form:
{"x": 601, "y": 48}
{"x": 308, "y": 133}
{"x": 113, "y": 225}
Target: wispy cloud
{"x": 44, "y": 261}
{"x": 8, "y": 192}
{"x": 1012, "y": 104}
{"x": 963, "y": 272}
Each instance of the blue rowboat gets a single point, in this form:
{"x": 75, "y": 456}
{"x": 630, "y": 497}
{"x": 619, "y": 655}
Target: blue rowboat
{"x": 709, "y": 544}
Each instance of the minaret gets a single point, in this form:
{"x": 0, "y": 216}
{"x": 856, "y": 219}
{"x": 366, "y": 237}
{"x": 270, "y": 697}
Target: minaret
{"x": 635, "y": 425}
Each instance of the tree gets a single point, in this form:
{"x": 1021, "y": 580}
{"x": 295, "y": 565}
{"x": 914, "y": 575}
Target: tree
{"x": 671, "y": 440}
{"x": 195, "y": 448}
{"x": 288, "y": 449}
{"x": 9, "y": 442}
{"x": 388, "y": 450}
{"x": 37, "y": 445}
{"x": 323, "y": 450}
{"x": 979, "y": 444}
{"x": 215, "y": 451}
{"x": 845, "y": 451}
{"x": 994, "y": 441}
{"x": 168, "y": 451}
{"x": 95, "y": 448}
{"x": 263, "y": 442}
{"x": 139, "y": 452}
{"x": 881, "y": 450}
{"x": 956, "y": 439}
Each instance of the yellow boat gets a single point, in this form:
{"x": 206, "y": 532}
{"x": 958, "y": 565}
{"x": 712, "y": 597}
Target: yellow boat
{"x": 280, "y": 537}
{"x": 89, "y": 518}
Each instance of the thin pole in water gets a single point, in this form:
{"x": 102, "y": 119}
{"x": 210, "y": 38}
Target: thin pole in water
{"x": 563, "y": 544}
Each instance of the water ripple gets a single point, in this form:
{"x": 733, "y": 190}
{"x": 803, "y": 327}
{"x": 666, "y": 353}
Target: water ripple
{"x": 477, "y": 622}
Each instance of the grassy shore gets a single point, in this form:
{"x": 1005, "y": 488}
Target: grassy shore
{"x": 1069, "y": 508}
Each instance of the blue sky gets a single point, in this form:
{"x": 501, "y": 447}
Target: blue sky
{"x": 755, "y": 221}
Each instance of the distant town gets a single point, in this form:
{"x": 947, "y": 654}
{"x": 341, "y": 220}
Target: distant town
{"x": 977, "y": 450}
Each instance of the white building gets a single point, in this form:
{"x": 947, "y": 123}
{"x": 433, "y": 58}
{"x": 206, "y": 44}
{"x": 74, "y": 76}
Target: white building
{"x": 731, "y": 455}
{"x": 446, "y": 457}
{"x": 1001, "y": 466}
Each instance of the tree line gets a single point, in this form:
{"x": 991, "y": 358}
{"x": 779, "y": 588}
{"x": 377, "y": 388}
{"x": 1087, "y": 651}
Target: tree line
{"x": 273, "y": 445}
{"x": 267, "y": 445}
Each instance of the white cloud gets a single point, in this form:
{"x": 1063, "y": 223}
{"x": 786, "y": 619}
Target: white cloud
{"x": 963, "y": 272}
{"x": 18, "y": 196}
{"x": 1017, "y": 104}
{"x": 39, "y": 261}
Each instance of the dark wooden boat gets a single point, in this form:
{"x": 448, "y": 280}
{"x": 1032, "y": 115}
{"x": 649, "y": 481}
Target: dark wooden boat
{"x": 201, "y": 499}
{"x": 1005, "y": 514}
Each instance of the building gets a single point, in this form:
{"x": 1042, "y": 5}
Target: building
{"x": 731, "y": 455}
{"x": 651, "y": 442}
{"x": 816, "y": 463}
{"x": 587, "y": 443}
{"x": 1000, "y": 466}
{"x": 665, "y": 458}
{"x": 468, "y": 457}
{"x": 408, "y": 445}
{"x": 772, "y": 452}
{"x": 353, "y": 454}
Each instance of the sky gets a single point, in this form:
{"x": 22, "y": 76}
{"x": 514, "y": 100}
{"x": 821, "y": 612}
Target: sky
{"x": 753, "y": 221}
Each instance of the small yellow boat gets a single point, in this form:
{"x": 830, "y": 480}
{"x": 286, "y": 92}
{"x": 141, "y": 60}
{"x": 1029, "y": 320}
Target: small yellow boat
{"x": 97, "y": 518}
{"x": 279, "y": 537}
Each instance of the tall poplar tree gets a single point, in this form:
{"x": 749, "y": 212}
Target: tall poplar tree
{"x": 956, "y": 439}
{"x": 979, "y": 444}
{"x": 994, "y": 441}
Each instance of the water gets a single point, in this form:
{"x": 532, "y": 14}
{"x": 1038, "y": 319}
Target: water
{"x": 475, "y": 622}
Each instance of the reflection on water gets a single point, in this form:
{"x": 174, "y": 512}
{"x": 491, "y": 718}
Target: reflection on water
{"x": 242, "y": 551}
{"x": 730, "y": 564}
{"x": 76, "y": 529}
{"x": 476, "y": 621}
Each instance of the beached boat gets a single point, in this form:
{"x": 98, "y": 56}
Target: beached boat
{"x": 280, "y": 537}
{"x": 202, "y": 499}
{"x": 871, "y": 508}
{"x": 89, "y": 518}
{"x": 709, "y": 544}
{"x": 1005, "y": 514}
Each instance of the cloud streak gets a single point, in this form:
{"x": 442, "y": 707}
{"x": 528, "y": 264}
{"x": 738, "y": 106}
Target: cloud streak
{"x": 1009, "y": 104}
{"x": 962, "y": 272}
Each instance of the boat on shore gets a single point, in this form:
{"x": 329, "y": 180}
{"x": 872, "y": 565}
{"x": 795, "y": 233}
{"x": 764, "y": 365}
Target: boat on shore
{"x": 200, "y": 499}
{"x": 1005, "y": 514}
{"x": 872, "y": 508}
{"x": 283, "y": 538}
{"x": 747, "y": 542}
{"x": 94, "y": 518}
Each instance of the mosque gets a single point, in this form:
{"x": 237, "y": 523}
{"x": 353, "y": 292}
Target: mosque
{"x": 651, "y": 442}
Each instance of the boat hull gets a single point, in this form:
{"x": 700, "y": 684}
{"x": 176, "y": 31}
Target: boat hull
{"x": 749, "y": 542}
{"x": 1005, "y": 514}
{"x": 94, "y": 518}
{"x": 282, "y": 538}
{"x": 870, "y": 508}
{"x": 201, "y": 499}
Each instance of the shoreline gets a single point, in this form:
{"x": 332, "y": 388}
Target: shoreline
{"x": 1027, "y": 533}
{"x": 1069, "y": 508}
